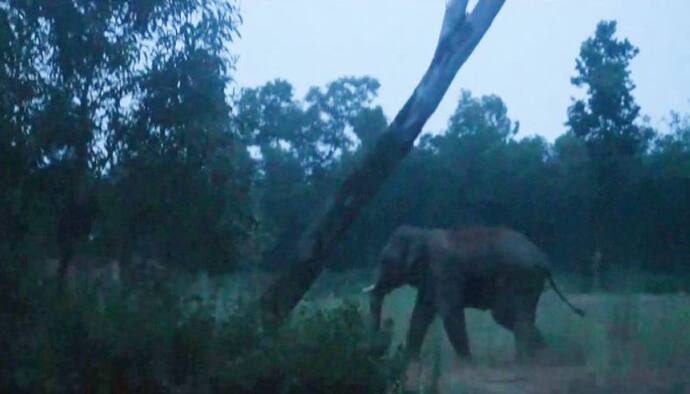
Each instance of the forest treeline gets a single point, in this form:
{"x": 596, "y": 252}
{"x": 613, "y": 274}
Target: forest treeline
{"x": 124, "y": 136}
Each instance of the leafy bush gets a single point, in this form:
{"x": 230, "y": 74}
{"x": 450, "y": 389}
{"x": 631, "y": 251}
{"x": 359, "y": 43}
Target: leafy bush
{"x": 148, "y": 340}
{"x": 323, "y": 351}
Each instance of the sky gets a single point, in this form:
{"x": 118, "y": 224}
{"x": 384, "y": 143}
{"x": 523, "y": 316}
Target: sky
{"x": 527, "y": 57}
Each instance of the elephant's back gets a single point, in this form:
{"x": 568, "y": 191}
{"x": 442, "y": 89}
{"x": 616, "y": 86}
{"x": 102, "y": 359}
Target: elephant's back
{"x": 498, "y": 246}
{"x": 521, "y": 251}
{"x": 474, "y": 239}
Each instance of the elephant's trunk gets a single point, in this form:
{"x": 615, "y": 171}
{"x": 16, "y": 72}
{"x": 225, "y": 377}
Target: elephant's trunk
{"x": 390, "y": 277}
{"x": 375, "y": 306}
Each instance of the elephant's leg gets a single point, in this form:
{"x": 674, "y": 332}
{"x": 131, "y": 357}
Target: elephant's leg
{"x": 504, "y": 317}
{"x": 515, "y": 310}
{"x": 528, "y": 338}
{"x": 456, "y": 329}
{"x": 451, "y": 307}
{"x": 503, "y": 313}
{"x": 422, "y": 316}
{"x": 503, "y": 307}
{"x": 537, "y": 339}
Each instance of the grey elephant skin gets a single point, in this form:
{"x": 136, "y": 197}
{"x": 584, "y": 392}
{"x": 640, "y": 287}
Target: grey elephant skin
{"x": 488, "y": 268}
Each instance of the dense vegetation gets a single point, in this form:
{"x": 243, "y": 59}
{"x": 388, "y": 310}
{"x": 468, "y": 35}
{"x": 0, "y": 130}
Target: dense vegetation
{"x": 122, "y": 136}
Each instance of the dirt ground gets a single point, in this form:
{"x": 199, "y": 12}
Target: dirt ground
{"x": 630, "y": 344}
{"x": 562, "y": 380}
{"x": 548, "y": 379}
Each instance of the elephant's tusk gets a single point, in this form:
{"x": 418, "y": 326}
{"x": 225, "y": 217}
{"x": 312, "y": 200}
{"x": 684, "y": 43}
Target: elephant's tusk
{"x": 368, "y": 289}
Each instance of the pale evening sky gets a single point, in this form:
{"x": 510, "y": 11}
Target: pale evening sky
{"x": 527, "y": 57}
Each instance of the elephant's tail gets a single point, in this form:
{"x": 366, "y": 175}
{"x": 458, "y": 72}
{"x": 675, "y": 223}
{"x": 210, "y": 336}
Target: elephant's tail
{"x": 575, "y": 309}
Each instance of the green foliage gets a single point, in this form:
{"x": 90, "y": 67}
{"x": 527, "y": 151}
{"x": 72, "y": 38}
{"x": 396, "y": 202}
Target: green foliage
{"x": 143, "y": 340}
{"x": 608, "y": 121}
{"x": 305, "y": 146}
{"x": 319, "y": 351}
{"x": 607, "y": 118}
{"x": 93, "y": 341}
{"x": 117, "y": 137}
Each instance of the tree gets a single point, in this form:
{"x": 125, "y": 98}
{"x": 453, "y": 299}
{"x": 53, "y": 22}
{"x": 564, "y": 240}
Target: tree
{"x": 116, "y": 128}
{"x": 607, "y": 118}
{"x": 575, "y": 189}
{"x": 304, "y": 146}
{"x": 460, "y": 34}
{"x": 663, "y": 216}
{"x": 469, "y": 156}
{"x": 179, "y": 149}
{"x": 608, "y": 121}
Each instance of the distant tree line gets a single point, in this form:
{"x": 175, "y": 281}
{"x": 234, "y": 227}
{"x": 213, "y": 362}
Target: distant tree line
{"x": 612, "y": 184}
{"x": 121, "y": 135}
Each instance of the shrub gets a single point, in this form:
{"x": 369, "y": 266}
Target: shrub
{"x": 147, "y": 340}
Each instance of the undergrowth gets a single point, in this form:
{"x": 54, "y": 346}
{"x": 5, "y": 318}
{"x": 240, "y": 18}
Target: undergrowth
{"x": 147, "y": 340}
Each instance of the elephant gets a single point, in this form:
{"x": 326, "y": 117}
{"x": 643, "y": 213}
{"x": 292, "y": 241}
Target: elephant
{"x": 487, "y": 268}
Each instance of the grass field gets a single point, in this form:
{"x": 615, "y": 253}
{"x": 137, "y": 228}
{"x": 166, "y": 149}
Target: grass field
{"x": 628, "y": 342}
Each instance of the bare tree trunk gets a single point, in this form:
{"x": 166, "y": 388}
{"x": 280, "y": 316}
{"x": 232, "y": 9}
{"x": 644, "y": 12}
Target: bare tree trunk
{"x": 460, "y": 34}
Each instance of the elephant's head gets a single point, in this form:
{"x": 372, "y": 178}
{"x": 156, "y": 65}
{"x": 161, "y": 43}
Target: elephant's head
{"x": 402, "y": 262}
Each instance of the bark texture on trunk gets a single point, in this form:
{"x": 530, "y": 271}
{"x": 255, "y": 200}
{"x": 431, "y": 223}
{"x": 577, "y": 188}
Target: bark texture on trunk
{"x": 460, "y": 34}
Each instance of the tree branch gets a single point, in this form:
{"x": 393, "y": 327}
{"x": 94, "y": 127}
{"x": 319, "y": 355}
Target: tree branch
{"x": 460, "y": 34}
{"x": 456, "y": 11}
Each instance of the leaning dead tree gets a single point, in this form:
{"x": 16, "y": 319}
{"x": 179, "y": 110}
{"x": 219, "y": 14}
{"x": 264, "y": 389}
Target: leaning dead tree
{"x": 460, "y": 34}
